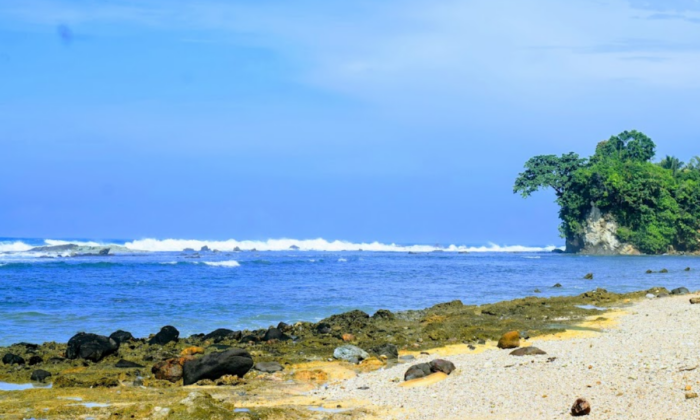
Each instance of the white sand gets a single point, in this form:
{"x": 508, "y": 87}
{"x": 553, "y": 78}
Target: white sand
{"x": 631, "y": 371}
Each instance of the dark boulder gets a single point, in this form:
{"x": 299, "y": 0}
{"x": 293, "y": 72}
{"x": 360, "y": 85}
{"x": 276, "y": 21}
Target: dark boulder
{"x": 284, "y": 327}
{"x": 680, "y": 291}
{"x": 687, "y": 269}
{"x": 275, "y": 334}
{"x": 664, "y": 271}
{"x": 441, "y": 365}
{"x": 222, "y": 334}
{"x": 125, "y": 364}
{"x": 348, "y": 321}
{"x": 204, "y": 249}
{"x": 581, "y": 407}
{"x": 40, "y": 375}
{"x": 558, "y": 285}
{"x": 215, "y": 365}
{"x": 35, "y": 360}
{"x": 90, "y": 347}
{"x": 12, "y": 359}
{"x": 417, "y": 371}
{"x": 383, "y": 314}
{"x": 323, "y": 328}
{"x": 588, "y": 276}
{"x": 121, "y": 337}
{"x": 167, "y": 334}
{"x": 388, "y": 350}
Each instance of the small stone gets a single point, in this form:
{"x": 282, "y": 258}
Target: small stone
{"x": 695, "y": 300}
{"x": 527, "y": 351}
{"x": 348, "y": 337}
{"x": 581, "y": 407}
{"x": 350, "y": 353}
{"x": 509, "y": 340}
{"x": 650, "y": 296}
{"x": 691, "y": 395}
{"x": 268, "y": 367}
{"x": 440, "y": 365}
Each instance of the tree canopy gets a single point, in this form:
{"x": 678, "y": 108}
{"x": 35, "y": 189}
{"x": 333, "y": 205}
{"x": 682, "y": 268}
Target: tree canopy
{"x": 657, "y": 205}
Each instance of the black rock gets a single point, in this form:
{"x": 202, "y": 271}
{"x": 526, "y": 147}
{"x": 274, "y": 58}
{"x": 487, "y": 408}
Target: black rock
{"x": 663, "y": 271}
{"x": 417, "y": 371}
{"x": 90, "y": 347}
{"x": 204, "y": 249}
{"x": 269, "y": 367}
{"x": 40, "y": 375}
{"x": 275, "y": 334}
{"x": 284, "y": 327}
{"x": 121, "y": 337}
{"x": 323, "y": 328}
{"x": 249, "y": 338}
{"x": 388, "y": 350}
{"x": 680, "y": 291}
{"x": 28, "y": 346}
{"x": 383, "y": 314}
{"x": 35, "y": 360}
{"x": 441, "y": 365}
{"x": 222, "y": 334}
{"x": 557, "y": 285}
{"x": 127, "y": 364}
{"x": 687, "y": 269}
{"x": 198, "y": 336}
{"x": 12, "y": 359}
{"x": 557, "y": 251}
{"x": 215, "y": 365}
{"x": 167, "y": 334}
{"x": 588, "y": 276}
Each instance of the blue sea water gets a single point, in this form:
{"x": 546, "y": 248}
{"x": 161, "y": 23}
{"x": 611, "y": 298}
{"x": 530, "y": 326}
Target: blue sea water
{"x": 51, "y": 299}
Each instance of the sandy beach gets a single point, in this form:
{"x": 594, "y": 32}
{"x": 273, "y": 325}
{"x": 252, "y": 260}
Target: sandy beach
{"x": 643, "y": 365}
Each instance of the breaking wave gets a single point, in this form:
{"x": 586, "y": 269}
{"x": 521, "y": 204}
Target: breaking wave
{"x": 320, "y": 244}
{"x": 223, "y": 264}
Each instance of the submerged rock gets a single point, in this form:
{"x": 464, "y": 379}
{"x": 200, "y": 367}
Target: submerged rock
{"x": 215, "y": 365}
{"x": 588, "y": 276}
{"x": 91, "y": 347}
{"x": 557, "y": 285}
{"x": 350, "y": 353}
{"x": 40, "y": 375}
{"x": 167, "y": 334}
{"x": 509, "y": 340}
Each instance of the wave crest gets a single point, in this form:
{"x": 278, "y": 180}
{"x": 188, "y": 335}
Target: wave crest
{"x": 229, "y": 264}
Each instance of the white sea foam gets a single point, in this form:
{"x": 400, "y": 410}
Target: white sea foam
{"x": 342, "y": 260}
{"x": 320, "y": 244}
{"x": 223, "y": 263}
{"x": 17, "y": 246}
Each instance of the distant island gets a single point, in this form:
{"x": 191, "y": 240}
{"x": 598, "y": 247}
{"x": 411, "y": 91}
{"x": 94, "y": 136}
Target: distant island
{"x": 619, "y": 202}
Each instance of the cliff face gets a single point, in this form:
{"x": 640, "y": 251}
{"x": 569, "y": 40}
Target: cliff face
{"x": 599, "y": 237}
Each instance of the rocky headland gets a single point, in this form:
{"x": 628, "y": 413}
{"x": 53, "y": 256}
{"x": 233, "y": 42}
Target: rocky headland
{"x": 272, "y": 373}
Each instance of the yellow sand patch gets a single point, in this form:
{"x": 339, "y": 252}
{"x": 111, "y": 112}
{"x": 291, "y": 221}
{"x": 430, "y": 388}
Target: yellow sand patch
{"x": 428, "y": 380}
{"x": 334, "y": 370}
{"x": 596, "y": 325}
{"x": 189, "y": 351}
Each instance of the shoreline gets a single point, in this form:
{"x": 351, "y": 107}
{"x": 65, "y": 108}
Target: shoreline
{"x": 306, "y": 363}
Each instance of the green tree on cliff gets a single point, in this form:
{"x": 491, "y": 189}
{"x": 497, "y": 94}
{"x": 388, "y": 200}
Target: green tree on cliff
{"x": 657, "y": 206}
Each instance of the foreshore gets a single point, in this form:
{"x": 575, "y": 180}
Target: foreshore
{"x": 630, "y": 356}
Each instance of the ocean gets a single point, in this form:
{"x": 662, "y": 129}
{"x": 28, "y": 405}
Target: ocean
{"x": 48, "y": 297}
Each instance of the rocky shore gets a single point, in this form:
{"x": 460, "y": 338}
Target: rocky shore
{"x": 346, "y": 366}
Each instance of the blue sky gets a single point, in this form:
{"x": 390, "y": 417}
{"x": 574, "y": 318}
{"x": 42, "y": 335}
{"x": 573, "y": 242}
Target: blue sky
{"x": 388, "y": 120}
